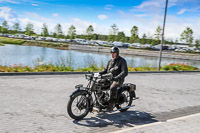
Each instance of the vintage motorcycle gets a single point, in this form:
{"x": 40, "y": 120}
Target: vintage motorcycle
{"x": 95, "y": 97}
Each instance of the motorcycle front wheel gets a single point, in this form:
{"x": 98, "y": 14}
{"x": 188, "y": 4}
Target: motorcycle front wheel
{"x": 78, "y": 106}
{"x": 124, "y": 100}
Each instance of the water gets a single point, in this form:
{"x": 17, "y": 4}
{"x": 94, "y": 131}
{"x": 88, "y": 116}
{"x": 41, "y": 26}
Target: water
{"x": 30, "y": 55}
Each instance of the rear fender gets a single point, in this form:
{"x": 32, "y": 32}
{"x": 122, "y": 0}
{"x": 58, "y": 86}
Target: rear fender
{"x": 130, "y": 87}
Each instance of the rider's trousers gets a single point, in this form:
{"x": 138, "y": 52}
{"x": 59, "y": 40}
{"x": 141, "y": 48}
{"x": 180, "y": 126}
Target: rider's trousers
{"x": 113, "y": 90}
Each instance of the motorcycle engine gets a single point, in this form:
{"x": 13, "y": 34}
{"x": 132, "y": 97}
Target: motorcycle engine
{"x": 103, "y": 97}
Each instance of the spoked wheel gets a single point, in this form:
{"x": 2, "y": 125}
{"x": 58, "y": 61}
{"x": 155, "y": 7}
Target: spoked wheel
{"x": 125, "y": 100}
{"x": 78, "y": 106}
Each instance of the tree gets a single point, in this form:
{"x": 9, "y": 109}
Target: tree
{"x": 45, "y": 30}
{"x": 29, "y": 29}
{"x": 158, "y": 33}
{"x": 16, "y": 28}
{"x": 134, "y": 31}
{"x": 187, "y": 36}
{"x": 112, "y": 33}
{"x": 197, "y": 43}
{"x": 155, "y": 42}
{"x": 176, "y": 41}
{"x": 94, "y": 37}
{"x": 4, "y": 28}
{"x": 144, "y": 38}
{"x": 134, "y": 34}
{"x": 54, "y": 35}
{"x": 72, "y": 32}
{"x": 90, "y": 30}
{"x": 58, "y": 31}
{"x": 170, "y": 42}
{"x": 121, "y": 37}
{"x": 114, "y": 29}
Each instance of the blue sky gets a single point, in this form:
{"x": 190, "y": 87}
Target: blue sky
{"x": 146, "y": 14}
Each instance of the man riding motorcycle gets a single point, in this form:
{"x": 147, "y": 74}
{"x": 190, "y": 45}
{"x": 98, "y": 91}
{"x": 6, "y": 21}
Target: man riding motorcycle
{"x": 118, "y": 67}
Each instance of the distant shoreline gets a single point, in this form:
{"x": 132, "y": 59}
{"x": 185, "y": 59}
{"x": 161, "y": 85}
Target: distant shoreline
{"x": 171, "y": 55}
{"x": 56, "y": 45}
{"x": 61, "y": 46}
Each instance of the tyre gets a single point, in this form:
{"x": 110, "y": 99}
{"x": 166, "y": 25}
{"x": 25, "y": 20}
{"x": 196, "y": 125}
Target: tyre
{"x": 124, "y": 100}
{"x": 78, "y": 106}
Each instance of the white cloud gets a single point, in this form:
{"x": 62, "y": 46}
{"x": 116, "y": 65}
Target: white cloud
{"x": 156, "y": 3}
{"x": 37, "y": 24}
{"x": 55, "y": 14}
{"x": 36, "y": 20}
{"x": 149, "y": 3}
{"x": 37, "y": 17}
{"x": 81, "y": 25}
{"x": 108, "y": 7}
{"x": 9, "y": 1}
{"x": 182, "y": 11}
{"x": 193, "y": 10}
{"x": 34, "y": 4}
{"x": 153, "y": 6}
{"x": 102, "y": 17}
{"x": 7, "y": 14}
{"x": 122, "y": 13}
{"x": 140, "y": 15}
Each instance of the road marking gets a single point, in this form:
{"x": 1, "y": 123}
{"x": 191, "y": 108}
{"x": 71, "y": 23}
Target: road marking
{"x": 183, "y": 117}
{"x": 155, "y": 123}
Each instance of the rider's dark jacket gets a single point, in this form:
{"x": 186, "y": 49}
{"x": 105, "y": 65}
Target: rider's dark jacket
{"x": 118, "y": 67}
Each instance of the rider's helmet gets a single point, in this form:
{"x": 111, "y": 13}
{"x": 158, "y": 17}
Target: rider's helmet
{"x": 115, "y": 50}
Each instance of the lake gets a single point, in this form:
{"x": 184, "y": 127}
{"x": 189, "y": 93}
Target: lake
{"x": 32, "y": 55}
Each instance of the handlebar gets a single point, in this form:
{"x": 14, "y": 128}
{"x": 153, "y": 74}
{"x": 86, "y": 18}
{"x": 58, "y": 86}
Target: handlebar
{"x": 90, "y": 76}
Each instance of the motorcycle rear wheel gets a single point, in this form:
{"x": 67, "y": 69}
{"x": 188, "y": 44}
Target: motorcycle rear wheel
{"x": 78, "y": 106}
{"x": 124, "y": 100}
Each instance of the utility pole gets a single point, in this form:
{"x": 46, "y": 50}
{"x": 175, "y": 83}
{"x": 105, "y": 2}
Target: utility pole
{"x": 160, "y": 57}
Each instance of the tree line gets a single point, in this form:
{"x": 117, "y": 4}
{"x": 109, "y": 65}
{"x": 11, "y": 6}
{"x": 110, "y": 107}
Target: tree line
{"x": 114, "y": 34}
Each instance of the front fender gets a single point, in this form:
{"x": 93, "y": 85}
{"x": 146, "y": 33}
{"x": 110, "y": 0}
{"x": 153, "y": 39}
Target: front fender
{"x": 79, "y": 91}
{"x": 88, "y": 96}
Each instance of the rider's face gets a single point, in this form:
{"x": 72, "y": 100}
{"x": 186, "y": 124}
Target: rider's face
{"x": 114, "y": 55}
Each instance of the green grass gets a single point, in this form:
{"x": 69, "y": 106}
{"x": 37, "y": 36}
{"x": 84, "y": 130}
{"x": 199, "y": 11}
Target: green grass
{"x": 1, "y": 44}
{"x": 92, "y": 68}
{"x": 6, "y": 40}
{"x": 45, "y": 44}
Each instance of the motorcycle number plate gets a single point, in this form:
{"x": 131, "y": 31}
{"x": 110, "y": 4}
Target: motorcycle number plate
{"x": 96, "y": 75}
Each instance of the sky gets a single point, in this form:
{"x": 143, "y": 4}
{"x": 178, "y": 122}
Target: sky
{"x": 147, "y": 15}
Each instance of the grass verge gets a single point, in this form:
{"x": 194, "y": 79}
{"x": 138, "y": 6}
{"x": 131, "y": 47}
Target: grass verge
{"x": 5, "y": 40}
{"x": 92, "y": 68}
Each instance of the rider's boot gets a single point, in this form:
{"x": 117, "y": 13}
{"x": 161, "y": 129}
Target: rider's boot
{"x": 112, "y": 101}
{"x": 110, "y": 107}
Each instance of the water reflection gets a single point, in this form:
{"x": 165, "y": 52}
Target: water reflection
{"x": 15, "y": 54}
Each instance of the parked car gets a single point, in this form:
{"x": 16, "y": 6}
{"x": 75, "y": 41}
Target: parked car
{"x": 135, "y": 45}
{"x": 118, "y": 44}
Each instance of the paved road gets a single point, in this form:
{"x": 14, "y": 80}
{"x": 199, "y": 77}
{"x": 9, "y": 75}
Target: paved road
{"x": 186, "y": 124}
{"x": 37, "y": 104}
